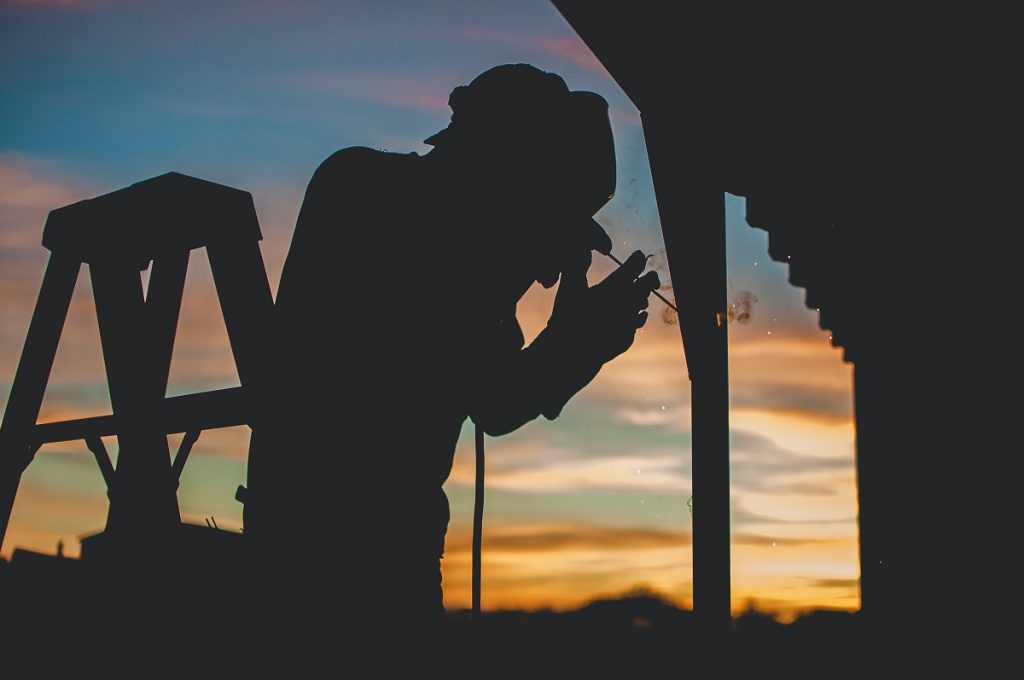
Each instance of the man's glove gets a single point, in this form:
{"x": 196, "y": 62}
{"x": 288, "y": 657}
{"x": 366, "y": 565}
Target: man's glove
{"x": 598, "y": 323}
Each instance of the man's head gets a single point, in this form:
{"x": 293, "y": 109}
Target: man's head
{"x": 542, "y": 153}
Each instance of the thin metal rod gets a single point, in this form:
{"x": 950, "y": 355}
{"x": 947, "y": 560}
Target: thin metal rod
{"x": 656, "y": 293}
{"x": 478, "y": 519}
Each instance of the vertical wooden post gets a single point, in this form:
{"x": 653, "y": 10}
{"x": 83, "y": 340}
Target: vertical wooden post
{"x": 692, "y": 208}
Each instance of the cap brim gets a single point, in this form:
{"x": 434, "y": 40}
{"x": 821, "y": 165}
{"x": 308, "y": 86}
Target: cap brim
{"x": 438, "y": 137}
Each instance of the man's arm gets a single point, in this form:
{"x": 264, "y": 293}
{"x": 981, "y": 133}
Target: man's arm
{"x": 588, "y": 327}
{"x": 514, "y": 386}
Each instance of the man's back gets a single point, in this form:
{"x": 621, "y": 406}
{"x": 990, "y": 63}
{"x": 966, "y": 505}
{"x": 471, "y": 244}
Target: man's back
{"x": 369, "y": 365}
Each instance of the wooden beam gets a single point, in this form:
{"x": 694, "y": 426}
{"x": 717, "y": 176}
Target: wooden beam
{"x": 691, "y": 205}
{"x": 202, "y": 411}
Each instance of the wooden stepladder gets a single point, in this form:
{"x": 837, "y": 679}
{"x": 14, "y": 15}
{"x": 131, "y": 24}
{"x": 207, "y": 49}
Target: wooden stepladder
{"x": 157, "y": 222}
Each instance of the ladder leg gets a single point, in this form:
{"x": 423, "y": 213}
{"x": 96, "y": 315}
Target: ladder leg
{"x": 248, "y": 307}
{"x": 145, "y": 503}
{"x": 16, "y": 447}
{"x": 247, "y": 304}
{"x": 163, "y": 306}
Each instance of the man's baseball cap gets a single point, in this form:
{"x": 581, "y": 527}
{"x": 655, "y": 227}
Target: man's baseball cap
{"x": 567, "y": 134}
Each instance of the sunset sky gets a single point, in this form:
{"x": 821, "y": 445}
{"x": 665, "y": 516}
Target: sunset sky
{"x": 98, "y": 94}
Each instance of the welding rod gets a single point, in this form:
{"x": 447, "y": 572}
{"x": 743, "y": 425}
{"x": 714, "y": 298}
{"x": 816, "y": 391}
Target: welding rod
{"x": 659, "y": 295}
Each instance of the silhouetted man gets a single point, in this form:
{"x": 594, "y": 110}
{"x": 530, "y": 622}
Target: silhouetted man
{"x": 396, "y": 321}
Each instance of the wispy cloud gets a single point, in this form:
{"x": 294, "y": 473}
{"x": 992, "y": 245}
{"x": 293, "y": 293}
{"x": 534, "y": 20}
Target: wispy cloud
{"x": 30, "y": 187}
{"x": 774, "y": 541}
{"x": 809, "y": 401}
{"x": 564, "y": 565}
{"x": 569, "y": 48}
{"x": 787, "y": 510}
{"x": 29, "y": 190}
{"x": 555, "y": 537}
{"x": 45, "y": 3}
{"x": 656, "y": 415}
{"x": 760, "y": 455}
{"x": 572, "y": 49}
{"x": 375, "y": 88}
{"x": 550, "y": 538}
{"x": 47, "y": 510}
{"x": 553, "y": 470}
{"x": 834, "y": 582}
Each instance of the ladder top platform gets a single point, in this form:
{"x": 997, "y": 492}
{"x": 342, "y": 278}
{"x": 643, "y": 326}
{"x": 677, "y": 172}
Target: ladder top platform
{"x": 171, "y": 212}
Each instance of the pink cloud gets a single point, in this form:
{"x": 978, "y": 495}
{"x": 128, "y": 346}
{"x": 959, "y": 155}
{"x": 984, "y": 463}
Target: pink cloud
{"x": 29, "y": 190}
{"x": 573, "y": 49}
{"x": 626, "y": 117}
{"x": 570, "y": 47}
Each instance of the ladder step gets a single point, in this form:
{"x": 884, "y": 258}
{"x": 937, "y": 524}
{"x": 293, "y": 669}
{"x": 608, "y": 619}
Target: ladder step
{"x": 200, "y": 411}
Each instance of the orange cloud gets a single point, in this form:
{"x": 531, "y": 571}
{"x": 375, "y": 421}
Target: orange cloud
{"x": 550, "y": 471}
{"x": 527, "y": 538}
{"x": 568, "y": 577}
{"x": 44, "y": 514}
{"x": 779, "y": 577}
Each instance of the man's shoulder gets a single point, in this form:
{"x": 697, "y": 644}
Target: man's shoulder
{"x": 361, "y": 162}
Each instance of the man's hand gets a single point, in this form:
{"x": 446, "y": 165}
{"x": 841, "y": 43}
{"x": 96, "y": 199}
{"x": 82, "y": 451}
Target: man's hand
{"x": 602, "y": 320}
